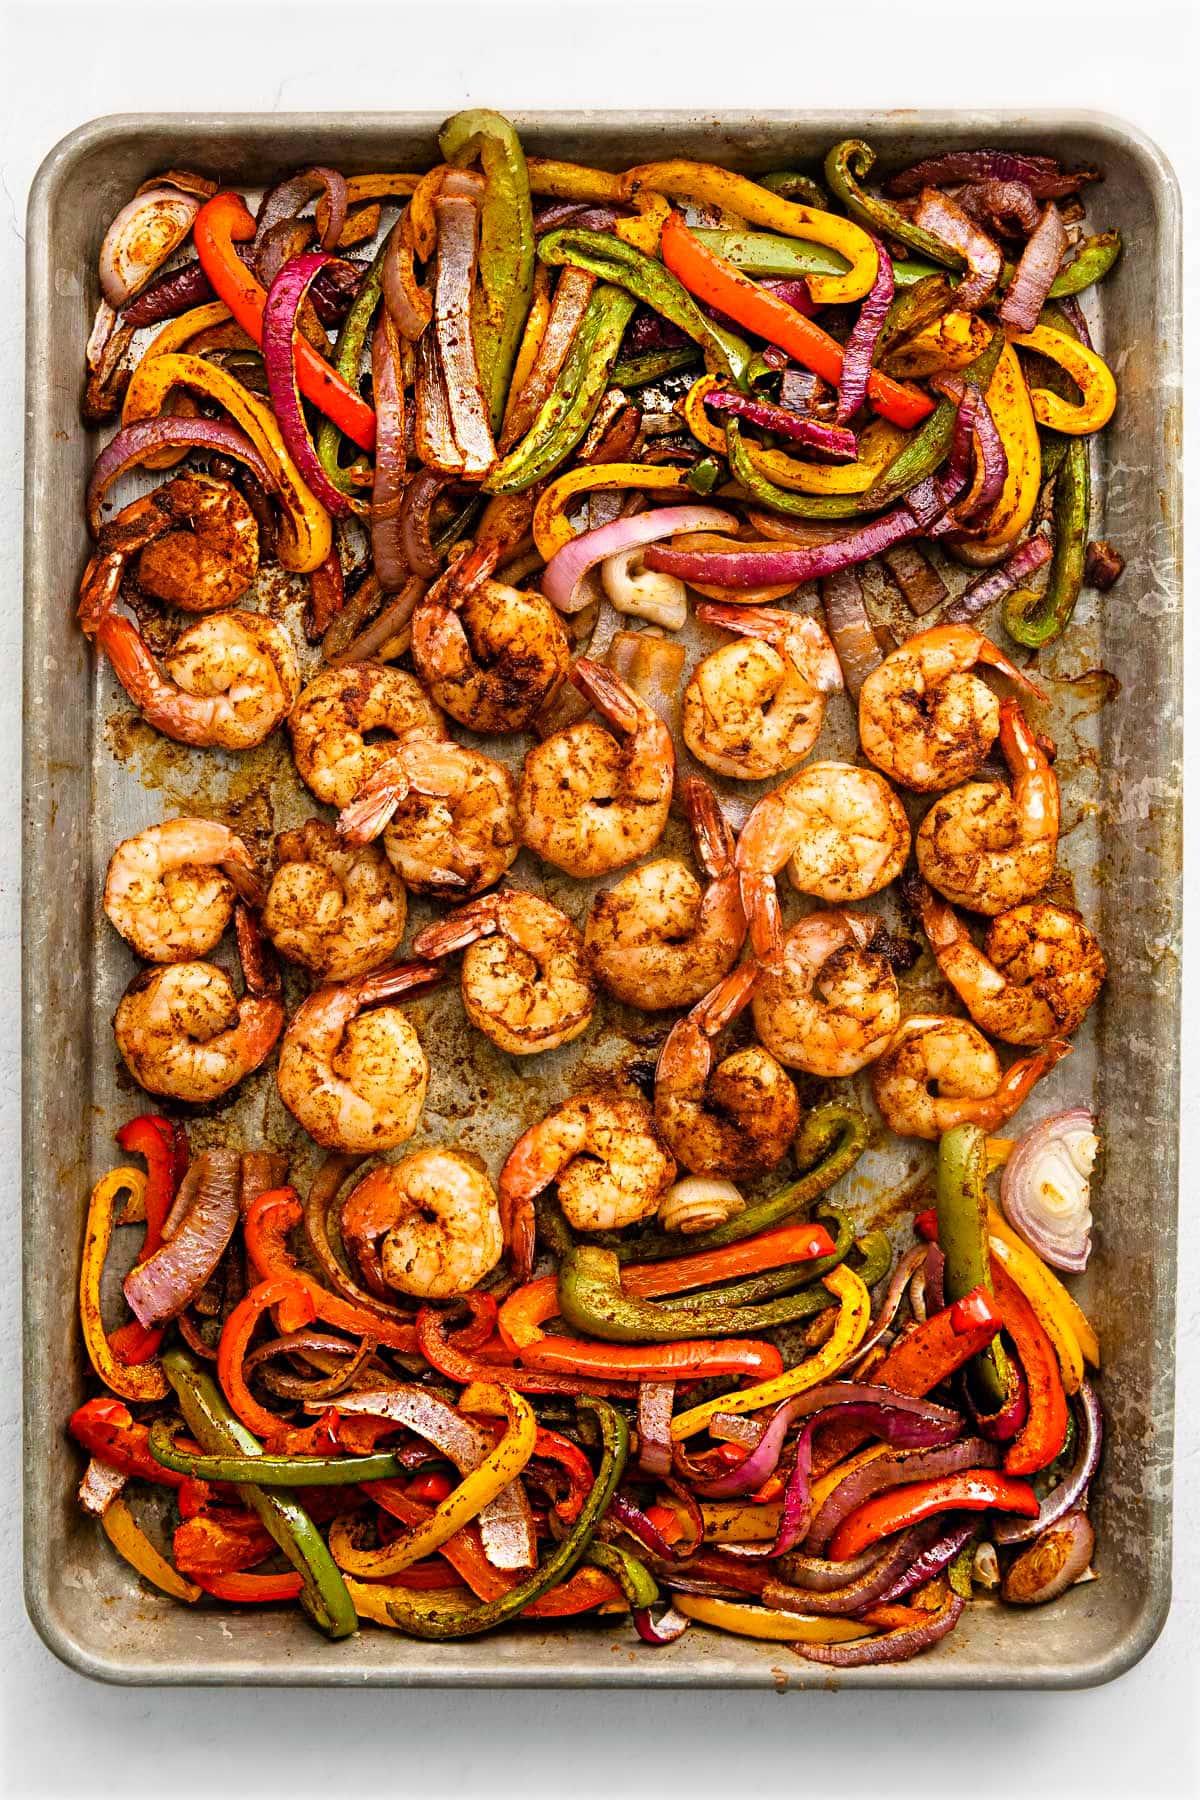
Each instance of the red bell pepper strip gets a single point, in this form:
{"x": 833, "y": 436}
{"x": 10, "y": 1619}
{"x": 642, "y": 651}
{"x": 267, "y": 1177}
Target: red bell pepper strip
{"x": 974, "y": 1490}
{"x": 526, "y": 1310}
{"x": 252, "y": 1590}
{"x": 720, "y": 285}
{"x": 1041, "y": 1438}
{"x": 444, "y": 1354}
{"x": 106, "y": 1428}
{"x": 553, "y": 1447}
{"x": 164, "y": 1146}
{"x": 206, "y": 1546}
{"x": 224, "y": 221}
{"x": 235, "y": 1340}
{"x": 769, "y": 1250}
{"x": 266, "y": 1226}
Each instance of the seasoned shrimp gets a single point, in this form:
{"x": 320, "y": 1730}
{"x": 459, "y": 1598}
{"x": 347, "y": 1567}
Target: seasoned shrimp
{"x": 199, "y": 570}
{"x": 356, "y": 1078}
{"x": 587, "y": 803}
{"x": 336, "y": 909}
{"x": 491, "y": 658}
{"x": 448, "y": 815}
{"x": 525, "y": 978}
{"x": 940, "y": 1072}
{"x": 754, "y": 708}
{"x": 602, "y": 1151}
{"x": 658, "y": 939}
{"x": 430, "y": 1224}
{"x": 735, "y": 1120}
{"x": 229, "y": 680}
{"x": 987, "y": 848}
{"x": 183, "y": 1031}
{"x": 825, "y": 1002}
{"x": 331, "y": 721}
{"x": 1037, "y": 975}
{"x": 170, "y": 890}
{"x": 923, "y": 717}
{"x": 841, "y": 830}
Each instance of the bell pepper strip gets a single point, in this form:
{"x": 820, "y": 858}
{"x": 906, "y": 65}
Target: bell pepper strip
{"x": 651, "y": 365}
{"x": 647, "y": 280}
{"x": 951, "y": 341}
{"x": 323, "y": 1597}
{"x": 563, "y": 419}
{"x": 1090, "y": 373}
{"x": 590, "y": 1297}
{"x": 748, "y": 200}
{"x": 1060, "y": 1317}
{"x": 764, "y": 1622}
{"x": 551, "y": 528}
{"x": 1043, "y": 1434}
{"x": 442, "y": 1353}
{"x": 271, "y": 1216}
{"x": 1091, "y": 263}
{"x": 347, "y": 360}
{"x": 765, "y": 253}
{"x": 177, "y": 334}
{"x": 925, "y": 453}
{"x": 223, "y": 222}
{"x": 525, "y": 1311}
{"x": 711, "y": 279}
{"x": 247, "y": 1589}
{"x": 531, "y": 342}
{"x": 757, "y": 486}
{"x": 727, "y": 1521}
{"x": 220, "y": 1545}
{"x": 464, "y": 1550}
{"x": 1038, "y": 619}
{"x": 787, "y": 1244}
{"x": 877, "y": 446}
{"x": 106, "y": 1428}
{"x": 236, "y": 1333}
{"x": 552, "y": 1447}
{"x": 269, "y": 1471}
{"x": 305, "y": 535}
{"x": 586, "y": 1588}
{"x": 133, "y": 1381}
{"x": 896, "y": 1509}
{"x": 853, "y": 1319}
{"x": 1009, "y": 404}
{"x": 849, "y": 163}
{"x": 962, "y": 1235}
{"x": 574, "y": 181}
{"x": 130, "y": 1541}
{"x": 645, "y": 231}
{"x": 154, "y": 1138}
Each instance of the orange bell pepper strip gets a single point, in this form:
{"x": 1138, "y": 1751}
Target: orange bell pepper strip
{"x": 253, "y": 1590}
{"x": 974, "y": 1490}
{"x": 206, "y": 1546}
{"x": 526, "y": 1311}
{"x": 133, "y": 1381}
{"x": 770, "y": 1250}
{"x": 266, "y": 1226}
{"x": 1041, "y": 1437}
{"x": 711, "y": 279}
{"x": 223, "y": 222}
{"x": 235, "y": 1340}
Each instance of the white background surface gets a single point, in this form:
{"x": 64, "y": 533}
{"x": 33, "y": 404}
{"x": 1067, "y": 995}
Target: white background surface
{"x": 60, "y": 1735}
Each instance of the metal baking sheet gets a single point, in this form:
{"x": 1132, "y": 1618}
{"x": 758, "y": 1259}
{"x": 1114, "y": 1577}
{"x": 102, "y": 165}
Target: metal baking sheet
{"x": 94, "y": 773}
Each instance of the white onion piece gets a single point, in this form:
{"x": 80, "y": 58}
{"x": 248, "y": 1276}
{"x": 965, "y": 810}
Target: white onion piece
{"x": 698, "y": 1203}
{"x": 562, "y": 581}
{"x": 140, "y": 239}
{"x": 643, "y": 593}
{"x": 1046, "y": 1188}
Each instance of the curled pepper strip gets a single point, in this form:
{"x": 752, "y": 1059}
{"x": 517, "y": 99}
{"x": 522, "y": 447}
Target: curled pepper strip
{"x": 130, "y": 1541}
{"x": 133, "y": 1381}
{"x": 526, "y": 1311}
{"x": 739, "y": 195}
{"x": 551, "y": 529}
{"x": 1009, "y": 404}
{"x": 974, "y": 1490}
{"x": 271, "y": 1217}
{"x": 1041, "y": 1437}
{"x": 306, "y": 535}
{"x": 1090, "y": 373}
{"x": 848, "y": 1332}
{"x": 239, "y": 1328}
{"x": 1064, "y": 1323}
{"x": 877, "y": 445}
{"x": 164, "y": 1147}
{"x": 1037, "y": 619}
{"x": 763, "y": 1622}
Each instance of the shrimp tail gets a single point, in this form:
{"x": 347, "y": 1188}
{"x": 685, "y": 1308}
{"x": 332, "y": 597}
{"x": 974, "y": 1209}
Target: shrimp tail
{"x": 609, "y": 694}
{"x": 730, "y": 997}
{"x": 479, "y": 918}
{"x": 995, "y": 658}
{"x": 389, "y": 984}
{"x": 469, "y": 572}
{"x": 1022, "y": 752}
{"x": 1021, "y": 1078}
{"x": 765, "y": 622}
{"x": 132, "y": 663}
{"x": 260, "y": 1021}
{"x": 760, "y": 902}
{"x": 518, "y": 1222}
{"x": 372, "y": 807}
{"x": 712, "y": 837}
{"x": 99, "y": 589}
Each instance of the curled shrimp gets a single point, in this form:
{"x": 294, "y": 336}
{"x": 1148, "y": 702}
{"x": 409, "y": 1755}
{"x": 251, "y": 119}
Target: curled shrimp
{"x": 525, "y": 978}
{"x": 493, "y": 656}
{"x": 1038, "y": 973}
{"x": 170, "y": 890}
{"x": 587, "y": 802}
{"x": 430, "y": 1224}
{"x": 658, "y": 939}
{"x": 351, "y": 1068}
{"x": 229, "y": 680}
{"x": 736, "y": 1120}
{"x": 448, "y": 816}
{"x": 940, "y": 1072}
{"x": 923, "y": 717}
{"x": 341, "y": 710}
{"x": 754, "y": 708}
{"x": 183, "y": 1031}
{"x": 200, "y": 569}
{"x": 336, "y": 909}
{"x": 825, "y": 1002}
{"x": 988, "y": 848}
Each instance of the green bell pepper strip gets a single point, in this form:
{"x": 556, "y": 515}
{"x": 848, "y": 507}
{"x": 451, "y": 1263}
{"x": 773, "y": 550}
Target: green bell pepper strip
{"x": 1091, "y": 263}
{"x": 928, "y": 450}
{"x": 1037, "y": 619}
{"x": 268, "y": 1470}
{"x": 792, "y": 185}
{"x": 631, "y": 1575}
{"x": 571, "y": 405}
{"x": 963, "y": 1236}
{"x": 783, "y": 500}
{"x": 347, "y": 360}
{"x": 591, "y": 1300}
{"x": 323, "y": 1596}
{"x": 850, "y": 162}
{"x": 609, "y": 258}
{"x": 427, "y": 1617}
{"x": 765, "y": 253}
{"x": 504, "y": 283}
{"x": 914, "y": 309}
{"x": 652, "y": 365}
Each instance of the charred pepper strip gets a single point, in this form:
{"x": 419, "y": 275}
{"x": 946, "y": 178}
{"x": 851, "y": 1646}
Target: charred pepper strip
{"x": 347, "y": 360}
{"x": 134, "y": 1381}
{"x": 267, "y": 1470}
{"x": 975, "y": 1490}
{"x": 762, "y": 253}
{"x": 849, "y": 163}
{"x": 963, "y": 1236}
{"x": 324, "y": 1597}
{"x": 590, "y": 1298}
{"x": 504, "y": 284}
{"x": 1044, "y": 1432}
{"x": 928, "y": 450}
{"x": 651, "y": 365}
{"x": 786, "y": 500}
{"x": 634, "y": 1579}
{"x": 1037, "y": 619}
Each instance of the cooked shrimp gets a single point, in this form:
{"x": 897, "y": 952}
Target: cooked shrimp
{"x": 841, "y": 830}
{"x": 356, "y": 1078}
{"x": 658, "y": 939}
{"x": 448, "y": 815}
{"x": 199, "y": 570}
{"x": 183, "y": 1031}
{"x": 492, "y": 659}
{"x": 588, "y": 803}
{"x": 525, "y": 979}
{"x": 754, "y": 708}
{"x": 825, "y": 1002}
{"x": 337, "y": 910}
{"x": 923, "y": 717}
{"x": 1037, "y": 975}
{"x": 430, "y": 1222}
{"x": 229, "y": 680}
{"x": 737, "y": 1119}
{"x": 170, "y": 890}
{"x": 987, "y": 848}
{"x": 938, "y": 1073}
{"x": 333, "y": 717}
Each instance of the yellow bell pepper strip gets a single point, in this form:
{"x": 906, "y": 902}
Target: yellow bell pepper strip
{"x": 877, "y": 446}
{"x": 551, "y": 528}
{"x": 574, "y": 181}
{"x": 1063, "y": 1321}
{"x": 744, "y": 198}
{"x": 173, "y": 336}
{"x": 644, "y": 232}
{"x": 130, "y": 1541}
{"x": 848, "y": 1332}
{"x": 133, "y": 1381}
{"x": 763, "y": 1622}
{"x": 717, "y": 282}
{"x": 1090, "y": 373}
{"x": 531, "y": 340}
{"x": 306, "y": 533}
{"x": 1009, "y": 404}
{"x": 366, "y": 187}
{"x": 950, "y": 341}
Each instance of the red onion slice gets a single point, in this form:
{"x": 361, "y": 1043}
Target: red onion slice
{"x": 1044, "y": 1189}
{"x": 850, "y": 629}
{"x": 1072, "y": 1489}
{"x": 976, "y": 598}
{"x": 457, "y": 210}
{"x": 285, "y": 297}
{"x": 388, "y": 546}
{"x": 860, "y": 345}
{"x": 890, "y": 1471}
{"x": 1006, "y": 206}
{"x": 773, "y": 568}
{"x": 132, "y": 445}
{"x": 668, "y": 1628}
{"x": 892, "y": 1646}
{"x": 1040, "y": 262}
{"x": 833, "y": 440}
{"x": 169, "y": 1280}
{"x": 931, "y": 1562}
{"x": 855, "y": 1592}
{"x": 286, "y": 199}
{"x": 938, "y": 213}
{"x": 562, "y": 578}
{"x": 1042, "y": 175}
{"x": 656, "y": 1403}
{"x": 140, "y": 239}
